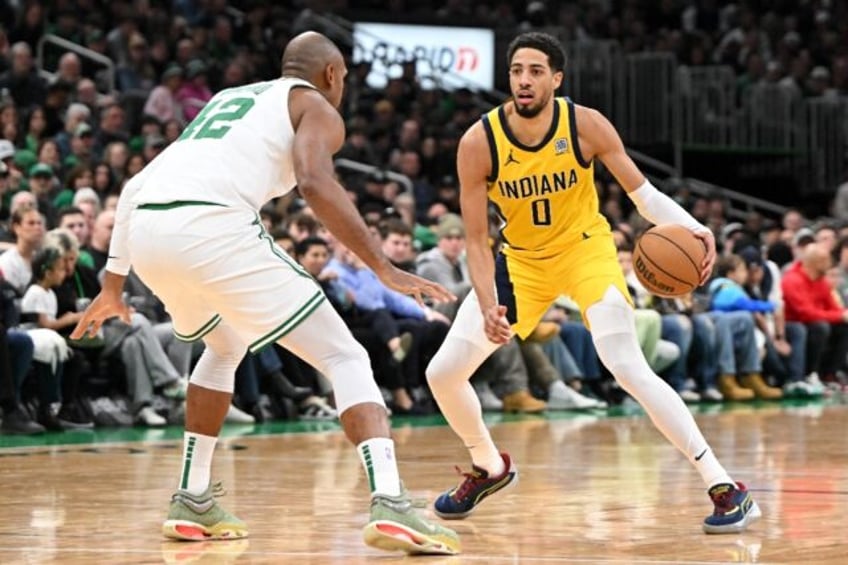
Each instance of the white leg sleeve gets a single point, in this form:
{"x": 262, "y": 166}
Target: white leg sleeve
{"x": 216, "y": 369}
{"x": 323, "y": 341}
{"x": 464, "y": 349}
{"x": 614, "y": 335}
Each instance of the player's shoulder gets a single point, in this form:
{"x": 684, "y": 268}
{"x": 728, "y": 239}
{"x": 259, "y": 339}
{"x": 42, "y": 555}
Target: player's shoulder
{"x": 303, "y": 100}
{"x": 587, "y": 114}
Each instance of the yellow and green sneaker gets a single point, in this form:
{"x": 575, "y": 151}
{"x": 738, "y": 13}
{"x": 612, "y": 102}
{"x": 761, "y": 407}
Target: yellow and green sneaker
{"x": 199, "y": 517}
{"x": 396, "y": 526}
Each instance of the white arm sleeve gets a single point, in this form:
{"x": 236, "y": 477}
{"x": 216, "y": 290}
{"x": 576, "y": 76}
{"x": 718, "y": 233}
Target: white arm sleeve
{"x": 658, "y": 208}
{"x": 119, "y": 255}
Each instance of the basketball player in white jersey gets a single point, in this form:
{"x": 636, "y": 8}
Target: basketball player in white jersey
{"x": 189, "y": 225}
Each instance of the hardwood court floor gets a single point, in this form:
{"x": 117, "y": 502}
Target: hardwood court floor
{"x": 593, "y": 489}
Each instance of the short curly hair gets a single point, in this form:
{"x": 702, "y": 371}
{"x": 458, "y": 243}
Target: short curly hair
{"x": 544, "y": 42}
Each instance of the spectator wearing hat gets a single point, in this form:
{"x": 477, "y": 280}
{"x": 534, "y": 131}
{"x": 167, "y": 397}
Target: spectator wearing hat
{"x": 194, "y": 93}
{"x": 5, "y": 193}
{"x": 75, "y": 114}
{"x": 445, "y": 263}
{"x": 162, "y": 101}
{"x": 81, "y": 146}
{"x": 801, "y": 239}
{"x": 7, "y": 151}
{"x": 40, "y": 179}
{"x": 818, "y": 83}
{"x": 729, "y": 234}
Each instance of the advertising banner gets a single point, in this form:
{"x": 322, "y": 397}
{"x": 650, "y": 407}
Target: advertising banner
{"x": 451, "y": 57}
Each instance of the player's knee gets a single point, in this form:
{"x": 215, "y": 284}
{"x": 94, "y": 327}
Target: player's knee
{"x": 350, "y": 360}
{"x": 439, "y": 371}
{"x": 611, "y": 315}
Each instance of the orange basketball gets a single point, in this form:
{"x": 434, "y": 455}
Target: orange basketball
{"x": 667, "y": 260}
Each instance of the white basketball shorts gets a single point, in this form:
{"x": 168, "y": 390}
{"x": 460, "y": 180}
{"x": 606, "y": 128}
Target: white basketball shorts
{"x": 209, "y": 263}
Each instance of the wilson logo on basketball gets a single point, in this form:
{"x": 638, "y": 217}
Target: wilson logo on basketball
{"x": 651, "y": 278}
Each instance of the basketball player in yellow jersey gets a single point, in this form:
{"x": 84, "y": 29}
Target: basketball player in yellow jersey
{"x": 532, "y": 158}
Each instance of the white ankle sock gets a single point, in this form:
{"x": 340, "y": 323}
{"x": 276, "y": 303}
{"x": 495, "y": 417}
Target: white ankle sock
{"x": 378, "y": 458}
{"x": 197, "y": 462}
{"x": 710, "y": 469}
{"x": 485, "y": 455}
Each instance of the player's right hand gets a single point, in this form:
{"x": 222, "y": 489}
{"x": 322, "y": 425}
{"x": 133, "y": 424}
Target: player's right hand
{"x": 496, "y": 325}
{"x": 415, "y": 286}
{"x": 103, "y": 307}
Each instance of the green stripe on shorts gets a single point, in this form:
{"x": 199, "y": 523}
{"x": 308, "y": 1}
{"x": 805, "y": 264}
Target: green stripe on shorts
{"x": 176, "y": 204}
{"x": 204, "y": 329}
{"x": 291, "y": 323}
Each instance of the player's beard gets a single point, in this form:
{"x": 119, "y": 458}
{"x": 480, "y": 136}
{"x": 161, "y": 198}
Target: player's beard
{"x": 531, "y": 110}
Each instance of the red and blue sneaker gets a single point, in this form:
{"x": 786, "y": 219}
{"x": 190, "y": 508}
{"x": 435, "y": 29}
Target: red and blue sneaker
{"x": 735, "y": 509}
{"x": 461, "y": 501}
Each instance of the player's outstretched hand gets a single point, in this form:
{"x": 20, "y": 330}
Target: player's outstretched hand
{"x": 708, "y": 239}
{"x": 103, "y": 307}
{"x": 415, "y": 286}
{"x": 496, "y": 325}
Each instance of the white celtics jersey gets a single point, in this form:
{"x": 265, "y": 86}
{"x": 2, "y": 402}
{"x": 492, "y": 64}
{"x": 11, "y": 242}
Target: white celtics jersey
{"x": 236, "y": 152}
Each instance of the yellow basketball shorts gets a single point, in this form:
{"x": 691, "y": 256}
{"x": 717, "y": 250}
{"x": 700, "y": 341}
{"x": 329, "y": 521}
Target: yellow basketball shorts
{"x": 583, "y": 271}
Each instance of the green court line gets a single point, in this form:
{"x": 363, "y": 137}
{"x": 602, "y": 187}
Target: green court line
{"x": 103, "y": 436}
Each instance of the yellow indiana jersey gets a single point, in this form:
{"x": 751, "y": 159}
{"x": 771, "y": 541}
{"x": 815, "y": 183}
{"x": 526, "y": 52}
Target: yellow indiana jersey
{"x": 545, "y": 194}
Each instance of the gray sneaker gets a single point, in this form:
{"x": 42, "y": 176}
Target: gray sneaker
{"x": 396, "y": 526}
{"x": 199, "y": 517}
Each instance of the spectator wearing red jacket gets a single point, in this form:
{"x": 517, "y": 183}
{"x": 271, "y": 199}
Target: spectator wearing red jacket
{"x": 809, "y": 299}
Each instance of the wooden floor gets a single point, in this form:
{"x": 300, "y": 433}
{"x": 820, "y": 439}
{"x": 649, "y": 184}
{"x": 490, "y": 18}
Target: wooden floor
{"x": 593, "y": 489}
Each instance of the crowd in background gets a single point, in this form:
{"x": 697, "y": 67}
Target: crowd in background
{"x": 771, "y": 323}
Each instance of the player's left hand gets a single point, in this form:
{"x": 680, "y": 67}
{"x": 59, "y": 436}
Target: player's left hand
{"x": 102, "y": 308}
{"x": 415, "y": 286}
{"x": 708, "y": 239}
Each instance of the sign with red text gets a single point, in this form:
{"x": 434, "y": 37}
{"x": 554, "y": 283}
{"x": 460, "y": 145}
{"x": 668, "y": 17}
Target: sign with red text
{"x": 450, "y": 57}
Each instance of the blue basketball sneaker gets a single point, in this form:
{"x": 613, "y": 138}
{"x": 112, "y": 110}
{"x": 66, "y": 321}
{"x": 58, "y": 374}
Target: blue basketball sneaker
{"x": 734, "y": 509}
{"x": 461, "y": 501}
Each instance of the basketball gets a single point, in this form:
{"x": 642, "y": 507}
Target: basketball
{"x": 667, "y": 260}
